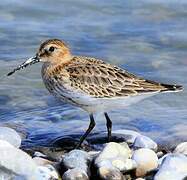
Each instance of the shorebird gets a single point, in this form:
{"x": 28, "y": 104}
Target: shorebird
{"x": 91, "y": 83}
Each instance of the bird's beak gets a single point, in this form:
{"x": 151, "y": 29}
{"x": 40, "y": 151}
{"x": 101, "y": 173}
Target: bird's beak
{"x": 29, "y": 61}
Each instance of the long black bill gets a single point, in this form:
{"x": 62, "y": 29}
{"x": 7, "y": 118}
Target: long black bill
{"x": 30, "y": 61}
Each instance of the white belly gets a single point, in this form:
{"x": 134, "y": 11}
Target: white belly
{"x": 92, "y": 104}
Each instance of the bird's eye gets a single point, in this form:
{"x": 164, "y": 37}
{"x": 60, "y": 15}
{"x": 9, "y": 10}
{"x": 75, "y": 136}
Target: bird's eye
{"x": 51, "y": 49}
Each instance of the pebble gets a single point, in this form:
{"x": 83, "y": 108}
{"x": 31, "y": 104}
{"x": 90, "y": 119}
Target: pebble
{"x": 112, "y": 151}
{"x": 47, "y": 172}
{"x": 11, "y": 136}
{"x": 145, "y": 142}
{"x": 129, "y": 135}
{"x": 113, "y": 159}
{"x": 146, "y": 160}
{"x": 173, "y": 167}
{"x": 110, "y": 173}
{"x": 16, "y": 161}
{"x": 76, "y": 158}
{"x": 75, "y": 174}
{"x": 181, "y": 148}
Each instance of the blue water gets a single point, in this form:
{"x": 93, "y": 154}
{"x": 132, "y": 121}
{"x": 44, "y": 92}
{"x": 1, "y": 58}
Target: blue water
{"x": 146, "y": 37}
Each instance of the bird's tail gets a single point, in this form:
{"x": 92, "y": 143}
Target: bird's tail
{"x": 169, "y": 87}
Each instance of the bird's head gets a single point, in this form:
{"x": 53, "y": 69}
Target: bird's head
{"x": 52, "y": 51}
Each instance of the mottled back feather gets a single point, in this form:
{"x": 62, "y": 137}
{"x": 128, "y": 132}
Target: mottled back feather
{"x": 99, "y": 79}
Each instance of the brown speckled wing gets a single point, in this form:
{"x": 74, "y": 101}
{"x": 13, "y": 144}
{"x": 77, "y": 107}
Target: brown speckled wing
{"x": 99, "y": 79}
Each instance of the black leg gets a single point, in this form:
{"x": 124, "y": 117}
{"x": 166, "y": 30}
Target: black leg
{"x": 91, "y": 126}
{"x": 109, "y": 126}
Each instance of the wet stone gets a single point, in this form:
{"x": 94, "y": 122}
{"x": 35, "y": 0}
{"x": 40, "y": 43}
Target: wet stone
{"x": 173, "y": 167}
{"x": 181, "y": 148}
{"x": 144, "y": 142}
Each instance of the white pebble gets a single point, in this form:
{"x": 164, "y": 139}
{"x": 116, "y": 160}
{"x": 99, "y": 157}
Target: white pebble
{"x": 11, "y": 136}
{"x": 146, "y": 160}
{"x": 113, "y": 150}
{"x": 16, "y": 161}
{"x": 181, "y": 148}
{"x": 115, "y": 156}
{"x": 145, "y": 142}
{"x": 173, "y": 167}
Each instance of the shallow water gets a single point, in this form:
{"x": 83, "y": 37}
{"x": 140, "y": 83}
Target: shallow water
{"x": 146, "y": 37}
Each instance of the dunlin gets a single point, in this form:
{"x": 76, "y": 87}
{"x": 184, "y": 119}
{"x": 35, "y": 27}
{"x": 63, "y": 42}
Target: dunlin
{"x": 90, "y": 83}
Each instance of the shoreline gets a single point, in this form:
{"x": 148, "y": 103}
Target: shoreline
{"x": 130, "y": 155}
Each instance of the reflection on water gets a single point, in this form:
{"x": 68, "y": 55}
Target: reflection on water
{"x": 147, "y": 37}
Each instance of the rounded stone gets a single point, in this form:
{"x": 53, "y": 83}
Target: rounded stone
{"x": 76, "y": 159}
{"x": 11, "y": 136}
{"x": 174, "y": 166}
{"x": 17, "y": 162}
{"x": 106, "y": 173}
{"x": 145, "y": 142}
{"x": 75, "y": 174}
{"x": 146, "y": 160}
{"x": 114, "y": 150}
{"x": 181, "y": 148}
